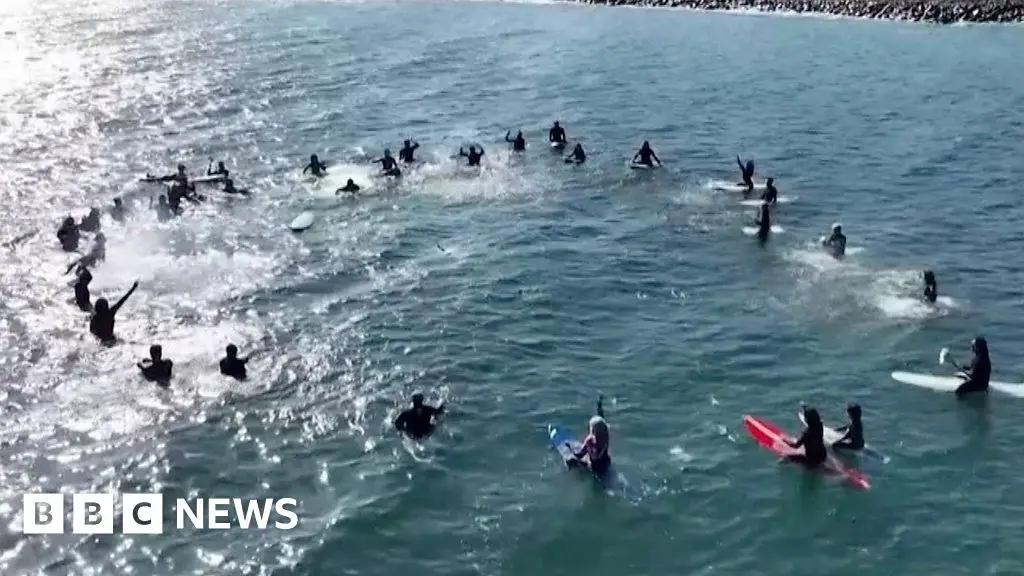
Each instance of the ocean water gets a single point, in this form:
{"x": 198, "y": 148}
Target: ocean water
{"x": 517, "y": 293}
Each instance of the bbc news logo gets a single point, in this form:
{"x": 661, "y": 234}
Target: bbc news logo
{"x": 143, "y": 513}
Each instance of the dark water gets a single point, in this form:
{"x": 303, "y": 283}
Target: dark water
{"x": 517, "y": 294}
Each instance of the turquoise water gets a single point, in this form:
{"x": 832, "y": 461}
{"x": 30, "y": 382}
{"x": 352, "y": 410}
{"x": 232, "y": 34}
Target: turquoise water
{"x": 517, "y": 294}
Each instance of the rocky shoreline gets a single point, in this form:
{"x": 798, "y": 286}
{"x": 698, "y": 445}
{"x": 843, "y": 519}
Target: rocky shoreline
{"x": 934, "y": 11}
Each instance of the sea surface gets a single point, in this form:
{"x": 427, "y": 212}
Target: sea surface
{"x": 517, "y": 293}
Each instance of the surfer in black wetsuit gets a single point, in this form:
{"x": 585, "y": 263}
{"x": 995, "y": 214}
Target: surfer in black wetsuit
{"x": 315, "y": 167}
{"x": 388, "y": 165}
{"x": 748, "y": 173}
{"x": 645, "y": 155}
{"x": 179, "y": 177}
{"x": 578, "y": 156}
{"x": 82, "y": 296}
{"x": 408, "y": 149}
{"x": 812, "y": 441}
{"x": 836, "y": 243}
{"x": 229, "y": 188}
{"x": 418, "y": 421}
{"x": 978, "y": 373}
{"x": 97, "y": 253}
{"x": 557, "y": 134}
{"x": 349, "y": 187}
{"x": 853, "y": 433}
{"x": 118, "y": 212}
{"x": 221, "y": 170}
{"x": 764, "y": 224}
{"x": 518, "y": 143}
{"x": 68, "y": 235}
{"x": 931, "y": 288}
{"x": 233, "y": 366}
{"x": 91, "y": 222}
{"x": 156, "y": 368}
{"x": 771, "y": 195}
{"x": 103, "y": 316}
{"x": 473, "y": 156}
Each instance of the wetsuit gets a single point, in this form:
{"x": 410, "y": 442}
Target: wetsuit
{"x": 518, "y": 143}
{"x": 90, "y": 223}
{"x": 853, "y": 439}
{"x": 578, "y": 155}
{"x": 117, "y": 213}
{"x": 836, "y": 244}
{"x": 748, "y": 173}
{"x": 764, "y": 225}
{"x": 82, "y": 296}
{"x": 417, "y": 422}
{"x": 557, "y": 134}
{"x": 317, "y": 168}
{"x": 406, "y": 153}
{"x": 771, "y": 195}
{"x": 646, "y": 156}
{"x": 978, "y": 373}
{"x": 158, "y": 371}
{"x": 813, "y": 444}
{"x": 229, "y": 188}
{"x": 234, "y": 367}
{"x": 389, "y": 167}
{"x": 931, "y": 288}
{"x": 101, "y": 324}
{"x": 69, "y": 236}
{"x": 473, "y": 156}
{"x": 350, "y": 186}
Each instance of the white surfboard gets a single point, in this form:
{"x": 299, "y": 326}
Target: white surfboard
{"x": 756, "y": 202}
{"x": 831, "y": 436}
{"x": 752, "y": 230}
{"x": 723, "y": 186}
{"x": 302, "y": 222}
{"x": 634, "y": 166}
{"x": 558, "y": 144}
{"x": 951, "y": 383}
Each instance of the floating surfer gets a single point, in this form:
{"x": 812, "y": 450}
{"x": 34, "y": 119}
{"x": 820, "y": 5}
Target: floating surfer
{"x": 931, "y": 287}
{"x": 594, "y": 452}
{"x": 577, "y": 156}
{"x": 388, "y": 165}
{"x": 976, "y": 375}
{"x": 812, "y": 441}
{"x": 350, "y": 187}
{"x": 748, "y": 173}
{"x": 408, "y": 149}
{"x": 836, "y": 243}
{"x": 518, "y": 143}
{"x": 645, "y": 156}
{"x": 101, "y": 324}
{"x": 315, "y": 167}
{"x": 419, "y": 421}
{"x": 232, "y": 365}
{"x": 473, "y": 156}
{"x": 556, "y": 135}
{"x": 771, "y": 194}
{"x": 156, "y": 368}
{"x": 69, "y": 235}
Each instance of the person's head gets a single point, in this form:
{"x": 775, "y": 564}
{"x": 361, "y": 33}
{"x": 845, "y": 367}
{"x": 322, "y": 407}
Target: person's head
{"x": 387, "y": 152}
{"x": 313, "y": 159}
{"x": 980, "y": 346}
{"x": 69, "y": 221}
{"x": 646, "y": 145}
{"x": 163, "y": 200}
{"x": 599, "y": 428}
{"x": 472, "y": 149}
{"x": 853, "y": 411}
{"x": 101, "y": 239}
{"x": 750, "y": 165}
{"x": 578, "y": 146}
{"x": 156, "y": 352}
{"x": 556, "y": 123}
{"x": 837, "y": 228}
{"x": 519, "y": 134}
{"x": 929, "y": 277}
{"x": 771, "y": 181}
{"x": 232, "y": 351}
{"x": 417, "y": 400}
{"x": 813, "y": 418}
{"x": 350, "y": 182}
{"x": 181, "y": 168}
{"x": 101, "y": 306}
{"x": 117, "y": 202}
{"x": 407, "y": 143}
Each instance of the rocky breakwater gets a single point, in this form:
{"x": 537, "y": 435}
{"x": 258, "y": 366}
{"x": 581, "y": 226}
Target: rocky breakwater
{"x": 936, "y": 11}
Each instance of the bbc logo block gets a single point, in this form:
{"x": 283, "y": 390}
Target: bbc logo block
{"x": 93, "y": 513}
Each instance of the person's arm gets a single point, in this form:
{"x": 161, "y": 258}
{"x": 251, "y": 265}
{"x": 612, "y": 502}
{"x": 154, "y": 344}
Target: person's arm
{"x": 401, "y": 421}
{"x": 307, "y": 168}
{"x": 462, "y": 152}
{"x": 116, "y": 307}
{"x": 209, "y": 168}
{"x": 798, "y": 443}
{"x": 635, "y": 156}
{"x": 740, "y": 164}
{"x": 655, "y": 156}
{"x": 600, "y": 407}
{"x": 482, "y": 151}
{"x": 507, "y": 134}
{"x": 415, "y": 145}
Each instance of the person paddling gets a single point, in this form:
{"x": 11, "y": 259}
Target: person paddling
{"x": 419, "y": 421}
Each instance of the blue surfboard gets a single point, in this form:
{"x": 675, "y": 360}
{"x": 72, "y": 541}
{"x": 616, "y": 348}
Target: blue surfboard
{"x": 558, "y": 437}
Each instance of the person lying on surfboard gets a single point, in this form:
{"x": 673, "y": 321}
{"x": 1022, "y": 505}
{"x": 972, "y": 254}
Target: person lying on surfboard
{"x": 418, "y": 421}
{"x": 557, "y": 134}
{"x": 977, "y": 374}
{"x": 578, "y": 155}
{"x": 836, "y": 243}
{"x": 645, "y": 154}
{"x": 748, "y": 173}
{"x": 594, "y": 451}
{"x": 771, "y": 194}
{"x": 408, "y": 148}
{"x": 812, "y": 441}
{"x": 931, "y": 288}
{"x": 518, "y": 143}
{"x": 315, "y": 167}
{"x": 350, "y": 187}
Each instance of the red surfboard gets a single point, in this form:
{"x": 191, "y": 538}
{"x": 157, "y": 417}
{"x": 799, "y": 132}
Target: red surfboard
{"x": 773, "y": 440}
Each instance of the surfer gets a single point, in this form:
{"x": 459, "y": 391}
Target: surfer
{"x": 180, "y": 177}
{"x": 233, "y": 366}
{"x": 518, "y": 143}
{"x": 82, "y": 296}
{"x": 473, "y": 156}
{"x": 931, "y": 288}
{"x": 557, "y": 134}
{"x": 836, "y": 243}
{"x": 118, "y": 211}
{"x": 97, "y": 253}
{"x": 645, "y": 155}
{"x": 812, "y": 441}
{"x": 853, "y": 433}
{"x": 315, "y": 167}
{"x": 229, "y": 188}
{"x": 156, "y": 368}
{"x": 103, "y": 316}
{"x": 349, "y": 186}
{"x": 68, "y": 235}
{"x": 771, "y": 194}
{"x": 221, "y": 170}
{"x": 977, "y": 374}
{"x": 418, "y": 421}
{"x": 594, "y": 451}
{"x": 406, "y": 153}
{"x": 578, "y": 155}
{"x": 764, "y": 224}
{"x": 91, "y": 222}
{"x": 748, "y": 173}
{"x": 388, "y": 165}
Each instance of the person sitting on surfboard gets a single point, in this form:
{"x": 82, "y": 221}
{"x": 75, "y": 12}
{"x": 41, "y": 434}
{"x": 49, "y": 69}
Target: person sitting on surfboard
{"x": 764, "y": 225}
{"x": 578, "y": 155}
{"x": 853, "y": 433}
{"x": 221, "y": 170}
{"x": 645, "y": 154}
{"x": 931, "y": 288}
{"x": 812, "y": 441}
{"x": 748, "y": 173}
{"x": 594, "y": 451}
{"x": 557, "y": 134}
{"x": 418, "y": 421}
{"x": 350, "y": 186}
{"x": 408, "y": 148}
{"x": 976, "y": 376}
{"x": 518, "y": 143}
{"x": 473, "y": 156}
{"x": 156, "y": 368}
{"x": 771, "y": 194}
{"x": 68, "y": 235}
{"x": 316, "y": 167}
{"x": 233, "y": 366}
{"x": 836, "y": 243}
{"x": 388, "y": 165}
